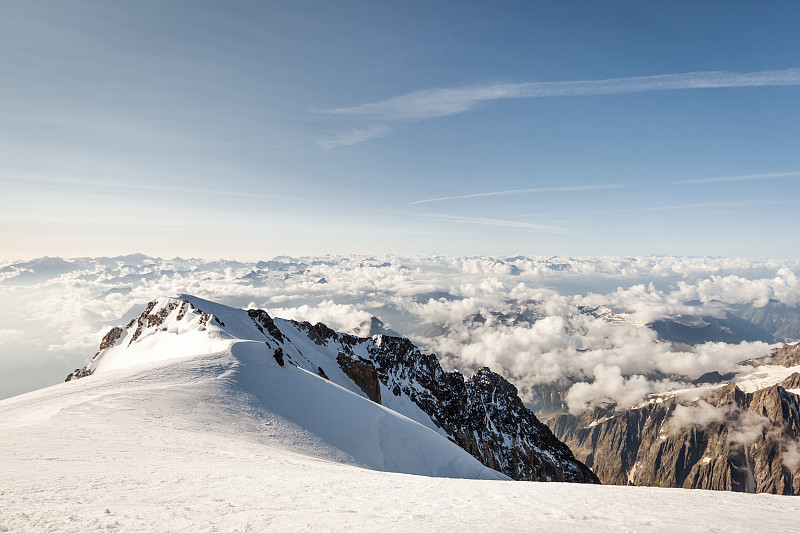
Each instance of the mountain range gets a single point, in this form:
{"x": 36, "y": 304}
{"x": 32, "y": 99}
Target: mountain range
{"x": 739, "y": 434}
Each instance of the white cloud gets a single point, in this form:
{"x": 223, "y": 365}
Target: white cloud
{"x": 431, "y": 103}
{"x": 7, "y": 335}
{"x": 744, "y": 426}
{"x": 700, "y": 414}
{"x": 355, "y": 136}
{"x": 569, "y": 188}
{"x": 749, "y": 428}
{"x": 532, "y": 330}
{"x": 497, "y": 222}
{"x": 338, "y": 317}
{"x": 746, "y": 177}
{"x": 608, "y": 387}
{"x": 790, "y": 455}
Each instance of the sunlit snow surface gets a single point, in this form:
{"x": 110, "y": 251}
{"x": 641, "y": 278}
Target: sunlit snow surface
{"x": 228, "y": 440}
{"x": 172, "y": 448}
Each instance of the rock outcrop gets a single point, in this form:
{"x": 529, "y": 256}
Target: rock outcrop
{"x": 727, "y": 440}
{"x": 483, "y": 414}
{"x": 363, "y": 375}
{"x": 787, "y": 355}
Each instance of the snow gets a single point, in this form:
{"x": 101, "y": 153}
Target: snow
{"x": 174, "y": 448}
{"x": 211, "y": 434}
{"x": 763, "y": 376}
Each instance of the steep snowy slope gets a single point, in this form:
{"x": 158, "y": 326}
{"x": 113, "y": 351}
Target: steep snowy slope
{"x": 187, "y": 446}
{"x": 214, "y": 357}
{"x": 483, "y": 415}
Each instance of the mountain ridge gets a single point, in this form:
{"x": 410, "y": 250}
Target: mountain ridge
{"x": 493, "y": 427}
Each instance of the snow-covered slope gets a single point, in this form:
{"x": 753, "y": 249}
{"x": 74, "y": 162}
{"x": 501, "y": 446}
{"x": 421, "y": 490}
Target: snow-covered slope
{"x": 483, "y": 415}
{"x": 242, "y": 361}
{"x": 213, "y": 434}
{"x": 186, "y": 446}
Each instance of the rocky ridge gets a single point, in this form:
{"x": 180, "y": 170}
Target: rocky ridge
{"x": 725, "y": 440}
{"x": 482, "y": 414}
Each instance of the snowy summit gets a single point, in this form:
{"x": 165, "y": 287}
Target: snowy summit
{"x": 203, "y": 417}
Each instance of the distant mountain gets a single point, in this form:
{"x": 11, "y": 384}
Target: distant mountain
{"x": 725, "y": 439}
{"x": 693, "y": 330}
{"x": 291, "y": 368}
{"x": 778, "y": 319}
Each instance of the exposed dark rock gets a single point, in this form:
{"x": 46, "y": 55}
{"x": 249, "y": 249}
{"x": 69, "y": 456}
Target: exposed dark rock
{"x": 713, "y": 377}
{"x": 744, "y": 442}
{"x": 484, "y": 415}
{"x": 787, "y": 355}
{"x": 78, "y": 373}
{"x": 140, "y": 322}
{"x": 278, "y": 356}
{"x": 549, "y": 398}
{"x": 363, "y": 374}
{"x": 319, "y": 332}
{"x": 780, "y": 320}
{"x": 111, "y": 338}
{"x": 262, "y": 320}
{"x": 146, "y": 320}
{"x": 322, "y": 373}
{"x": 792, "y": 382}
{"x": 693, "y": 330}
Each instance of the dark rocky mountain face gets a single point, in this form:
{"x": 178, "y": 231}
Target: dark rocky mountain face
{"x": 780, "y": 320}
{"x": 549, "y": 398}
{"x": 693, "y": 330}
{"x": 727, "y": 440}
{"x": 787, "y": 356}
{"x": 483, "y": 414}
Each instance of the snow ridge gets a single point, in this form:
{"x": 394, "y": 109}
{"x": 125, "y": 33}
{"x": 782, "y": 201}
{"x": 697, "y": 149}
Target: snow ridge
{"x": 482, "y": 415}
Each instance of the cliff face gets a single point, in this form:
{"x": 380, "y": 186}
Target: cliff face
{"x": 787, "y": 355}
{"x": 727, "y": 440}
{"x": 483, "y": 414}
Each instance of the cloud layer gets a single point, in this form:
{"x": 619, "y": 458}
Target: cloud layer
{"x": 568, "y": 320}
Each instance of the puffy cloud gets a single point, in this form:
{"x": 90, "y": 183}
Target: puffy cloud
{"x": 533, "y": 326}
{"x": 10, "y": 334}
{"x": 790, "y": 455}
{"x": 609, "y": 387}
{"x": 700, "y": 414}
{"x": 710, "y": 356}
{"x": 744, "y": 427}
{"x": 336, "y": 316}
{"x": 733, "y": 289}
{"x": 748, "y": 428}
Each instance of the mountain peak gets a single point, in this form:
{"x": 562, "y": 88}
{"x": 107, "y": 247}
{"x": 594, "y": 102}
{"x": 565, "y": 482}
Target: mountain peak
{"x": 483, "y": 416}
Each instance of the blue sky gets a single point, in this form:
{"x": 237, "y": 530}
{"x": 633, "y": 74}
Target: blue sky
{"x": 252, "y": 129}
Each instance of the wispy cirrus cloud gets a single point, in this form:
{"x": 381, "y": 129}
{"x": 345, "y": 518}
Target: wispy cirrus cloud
{"x": 746, "y": 177}
{"x": 521, "y": 191}
{"x": 431, "y": 103}
{"x": 498, "y": 222}
{"x": 355, "y": 136}
{"x": 733, "y": 204}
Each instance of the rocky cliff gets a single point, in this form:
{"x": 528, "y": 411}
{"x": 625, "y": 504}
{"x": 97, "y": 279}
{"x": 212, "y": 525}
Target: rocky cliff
{"x": 483, "y": 414}
{"x": 725, "y": 440}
